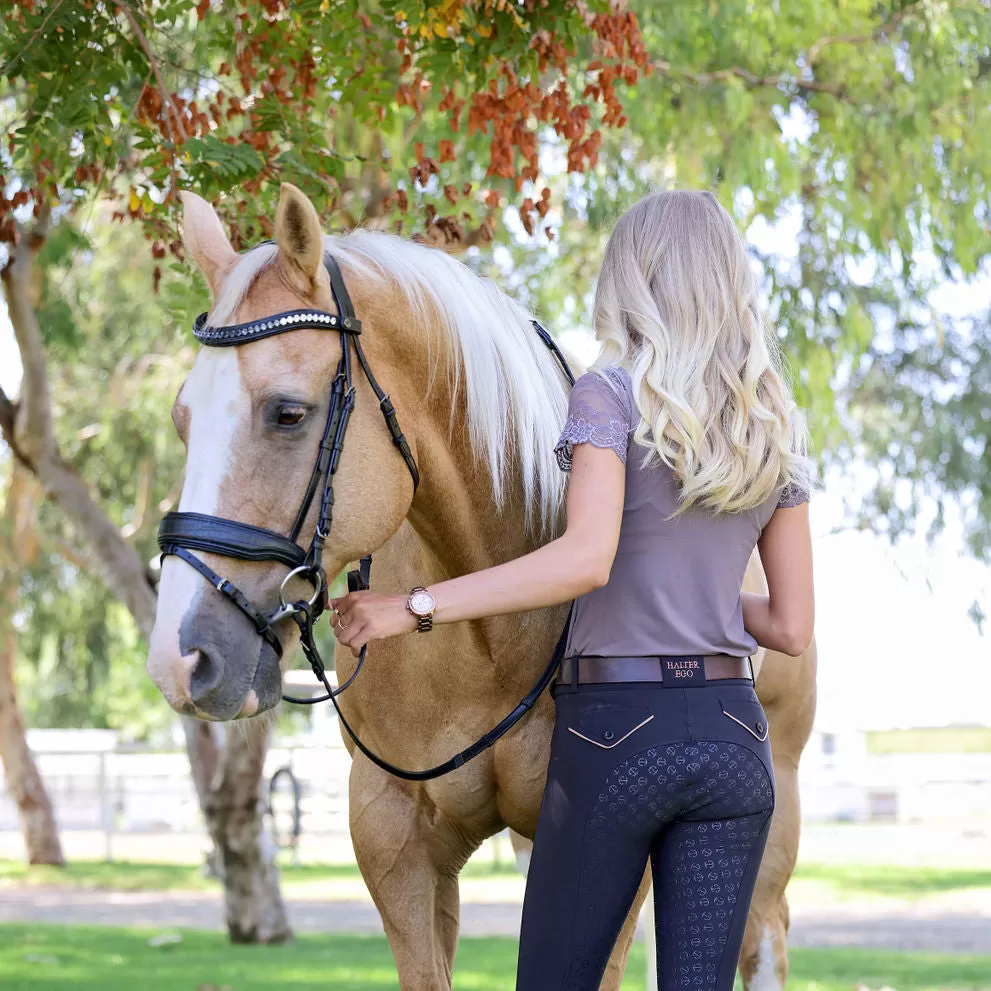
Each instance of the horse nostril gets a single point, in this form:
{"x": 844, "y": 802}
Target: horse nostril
{"x": 208, "y": 672}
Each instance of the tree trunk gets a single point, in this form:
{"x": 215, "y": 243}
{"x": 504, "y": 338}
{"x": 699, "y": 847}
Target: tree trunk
{"x": 227, "y": 780}
{"x": 253, "y": 901}
{"x": 21, "y": 778}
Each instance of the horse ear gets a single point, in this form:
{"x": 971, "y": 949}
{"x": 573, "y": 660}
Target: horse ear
{"x": 204, "y": 239}
{"x": 297, "y": 232}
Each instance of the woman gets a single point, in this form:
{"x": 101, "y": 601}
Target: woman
{"x": 686, "y": 451}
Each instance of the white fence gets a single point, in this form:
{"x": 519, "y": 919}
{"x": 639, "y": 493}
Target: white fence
{"x": 841, "y": 781}
{"x": 148, "y": 791}
{"x": 115, "y": 791}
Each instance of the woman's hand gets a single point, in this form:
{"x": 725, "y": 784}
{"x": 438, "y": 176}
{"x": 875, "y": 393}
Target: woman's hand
{"x": 365, "y": 616}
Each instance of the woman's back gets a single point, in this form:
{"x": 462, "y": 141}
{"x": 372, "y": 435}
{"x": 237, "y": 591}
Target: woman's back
{"x": 674, "y": 588}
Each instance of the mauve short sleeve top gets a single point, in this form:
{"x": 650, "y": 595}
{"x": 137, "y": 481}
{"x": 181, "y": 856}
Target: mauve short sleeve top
{"x": 675, "y": 584}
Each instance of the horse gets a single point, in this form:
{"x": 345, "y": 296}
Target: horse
{"x": 480, "y": 401}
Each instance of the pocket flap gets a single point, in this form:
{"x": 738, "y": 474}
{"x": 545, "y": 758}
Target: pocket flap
{"x": 608, "y": 726}
{"x": 749, "y": 715}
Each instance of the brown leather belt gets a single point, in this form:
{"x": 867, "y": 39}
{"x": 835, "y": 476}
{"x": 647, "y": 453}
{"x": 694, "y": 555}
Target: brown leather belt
{"x": 672, "y": 671}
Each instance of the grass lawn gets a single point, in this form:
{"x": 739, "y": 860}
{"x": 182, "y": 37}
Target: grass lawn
{"x": 57, "y": 958}
{"x": 134, "y": 876}
{"x": 931, "y": 740}
{"x": 893, "y": 881}
{"x": 853, "y": 881}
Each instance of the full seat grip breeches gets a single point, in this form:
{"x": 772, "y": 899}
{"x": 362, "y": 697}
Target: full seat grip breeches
{"x": 681, "y": 776}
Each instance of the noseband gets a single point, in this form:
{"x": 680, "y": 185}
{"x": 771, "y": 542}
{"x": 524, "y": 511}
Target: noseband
{"x": 181, "y": 533}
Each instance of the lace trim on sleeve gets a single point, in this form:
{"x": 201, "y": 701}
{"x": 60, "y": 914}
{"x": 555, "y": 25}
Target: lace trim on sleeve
{"x": 589, "y": 423}
{"x": 792, "y": 495}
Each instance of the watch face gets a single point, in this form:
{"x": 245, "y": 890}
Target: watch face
{"x": 421, "y": 603}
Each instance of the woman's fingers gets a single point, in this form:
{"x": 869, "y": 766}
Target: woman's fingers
{"x": 353, "y": 633}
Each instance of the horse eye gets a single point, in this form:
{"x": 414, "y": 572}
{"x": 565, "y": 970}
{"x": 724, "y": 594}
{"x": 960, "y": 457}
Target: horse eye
{"x": 290, "y": 416}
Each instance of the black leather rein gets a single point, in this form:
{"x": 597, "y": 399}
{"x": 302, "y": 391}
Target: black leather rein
{"x": 182, "y": 533}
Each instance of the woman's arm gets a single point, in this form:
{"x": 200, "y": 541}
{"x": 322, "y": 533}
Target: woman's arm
{"x": 573, "y": 564}
{"x": 783, "y": 619}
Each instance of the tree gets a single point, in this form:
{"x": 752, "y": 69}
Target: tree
{"x": 115, "y": 358}
{"x": 409, "y": 104}
{"x": 18, "y": 543}
{"x": 848, "y": 122}
{"x": 850, "y": 126}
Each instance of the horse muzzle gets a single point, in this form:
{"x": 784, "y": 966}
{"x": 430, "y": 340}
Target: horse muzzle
{"x": 218, "y": 668}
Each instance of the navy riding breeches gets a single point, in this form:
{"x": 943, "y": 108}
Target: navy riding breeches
{"x": 680, "y": 775}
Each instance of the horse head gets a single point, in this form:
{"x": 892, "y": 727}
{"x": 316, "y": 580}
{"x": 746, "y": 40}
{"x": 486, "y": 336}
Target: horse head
{"x": 252, "y": 418}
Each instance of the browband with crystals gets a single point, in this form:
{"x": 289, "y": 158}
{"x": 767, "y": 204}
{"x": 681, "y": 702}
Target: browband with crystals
{"x": 244, "y": 333}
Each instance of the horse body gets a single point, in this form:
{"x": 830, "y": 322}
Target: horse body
{"x": 480, "y": 401}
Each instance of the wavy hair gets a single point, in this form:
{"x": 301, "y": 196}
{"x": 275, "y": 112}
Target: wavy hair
{"x": 676, "y": 304}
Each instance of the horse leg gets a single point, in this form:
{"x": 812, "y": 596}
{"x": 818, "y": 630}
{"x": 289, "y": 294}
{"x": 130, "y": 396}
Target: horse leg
{"x": 764, "y": 957}
{"x": 409, "y": 857}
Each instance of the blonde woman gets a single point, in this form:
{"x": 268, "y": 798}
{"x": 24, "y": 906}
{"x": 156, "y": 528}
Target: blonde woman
{"x": 686, "y": 451}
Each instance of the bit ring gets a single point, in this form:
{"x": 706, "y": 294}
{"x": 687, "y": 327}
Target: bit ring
{"x": 314, "y": 575}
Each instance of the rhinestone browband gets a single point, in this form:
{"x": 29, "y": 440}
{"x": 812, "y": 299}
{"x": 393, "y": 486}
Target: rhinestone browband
{"x": 243, "y": 333}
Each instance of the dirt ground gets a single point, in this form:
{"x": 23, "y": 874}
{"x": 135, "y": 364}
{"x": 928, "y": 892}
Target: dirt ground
{"x": 953, "y": 921}
{"x": 957, "y": 925}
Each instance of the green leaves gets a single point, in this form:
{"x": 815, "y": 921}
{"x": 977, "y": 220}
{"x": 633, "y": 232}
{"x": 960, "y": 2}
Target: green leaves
{"x": 216, "y": 167}
{"x": 853, "y": 130}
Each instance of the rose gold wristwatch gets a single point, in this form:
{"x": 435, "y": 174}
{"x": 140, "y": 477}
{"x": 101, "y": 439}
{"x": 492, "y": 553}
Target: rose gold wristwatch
{"x": 421, "y": 604}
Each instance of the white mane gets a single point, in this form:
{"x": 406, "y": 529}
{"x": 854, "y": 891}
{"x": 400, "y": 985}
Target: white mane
{"x": 512, "y": 385}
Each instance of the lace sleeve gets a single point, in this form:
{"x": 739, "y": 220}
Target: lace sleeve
{"x": 598, "y": 414}
{"x": 792, "y": 495}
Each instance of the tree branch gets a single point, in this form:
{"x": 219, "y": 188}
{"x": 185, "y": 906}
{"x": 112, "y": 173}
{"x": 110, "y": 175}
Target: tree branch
{"x": 812, "y": 58}
{"x": 8, "y": 69}
{"x": 122, "y": 568}
{"x": 125, "y": 9}
{"x": 8, "y": 417}
{"x": 880, "y": 32}
{"x": 33, "y": 419}
{"x": 27, "y": 428}
{"x": 71, "y": 555}
{"x": 703, "y": 79}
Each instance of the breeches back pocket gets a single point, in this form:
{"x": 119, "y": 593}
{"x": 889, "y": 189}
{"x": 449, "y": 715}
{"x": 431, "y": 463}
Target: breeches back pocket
{"x": 607, "y": 726}
{"x": 749, "y": 715}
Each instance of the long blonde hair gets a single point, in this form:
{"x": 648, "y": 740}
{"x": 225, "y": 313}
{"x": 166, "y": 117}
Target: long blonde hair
{"x": 676, "y": 304}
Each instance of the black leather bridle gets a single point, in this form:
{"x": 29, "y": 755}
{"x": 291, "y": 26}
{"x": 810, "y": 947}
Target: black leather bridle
{"x": 181, "y": 533}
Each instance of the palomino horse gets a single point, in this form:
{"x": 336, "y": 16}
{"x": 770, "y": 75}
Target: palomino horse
{"x": 481, "y": 401}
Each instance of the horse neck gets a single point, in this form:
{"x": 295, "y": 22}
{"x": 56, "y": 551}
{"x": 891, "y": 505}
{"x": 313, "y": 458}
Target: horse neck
{"x": 455, "y": 513}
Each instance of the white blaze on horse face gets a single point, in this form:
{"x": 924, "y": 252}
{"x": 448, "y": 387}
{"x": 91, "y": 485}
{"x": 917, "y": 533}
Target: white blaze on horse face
{"x": 212, "y": 394}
